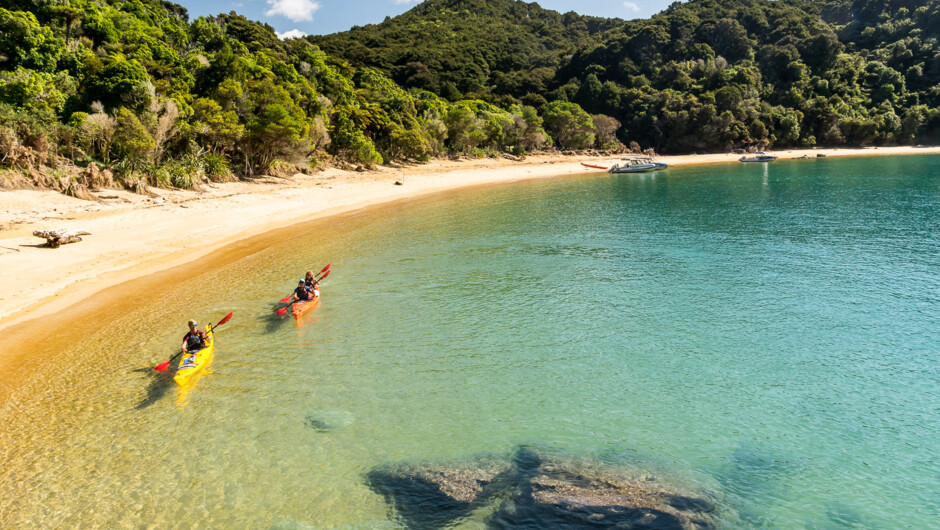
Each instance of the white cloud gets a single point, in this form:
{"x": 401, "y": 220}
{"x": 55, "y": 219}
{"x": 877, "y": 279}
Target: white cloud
{"x": 296, "y": 10}
{"x": 632, "y": 6}
{"x": 292, "y": 34}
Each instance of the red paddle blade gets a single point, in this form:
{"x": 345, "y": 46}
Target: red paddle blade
{"x": 324, "y": 269}
{"x": 281, "y": 311}
{"x": 325, "y": 275}
{"x": 285, "y": 299}
{"x": 162, "y": 366}
{"x": 224, "y": 320}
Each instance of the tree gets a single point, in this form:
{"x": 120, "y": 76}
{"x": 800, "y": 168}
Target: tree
{"x": 24, "y": 42}
{"x": 606, "y": 128}
{"x": 118, "y": 83}
{"x": 131, "y": 139}
{"x": 569, "y": 125}
{"x": 275, "y": 127}
{"x": 219, "y": 130}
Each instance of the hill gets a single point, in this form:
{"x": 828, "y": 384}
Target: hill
{"x": 701, "y": 75}
{"x": 98, "y": 92}
{"x": 472, "y": 48}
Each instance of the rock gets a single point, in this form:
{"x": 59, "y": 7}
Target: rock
{"x": 328, "y": 420}
{"x": 436, "y": 496}
{"x": 530, "y": 490}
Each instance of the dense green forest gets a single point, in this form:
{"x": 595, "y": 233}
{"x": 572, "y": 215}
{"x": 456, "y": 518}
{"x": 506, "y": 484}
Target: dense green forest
{"x": 137, "y": 88}
{"x": 702, "y": 75}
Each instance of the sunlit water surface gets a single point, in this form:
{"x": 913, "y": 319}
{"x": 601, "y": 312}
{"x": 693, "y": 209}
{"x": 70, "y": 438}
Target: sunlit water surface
{"x": 768, "y": 333}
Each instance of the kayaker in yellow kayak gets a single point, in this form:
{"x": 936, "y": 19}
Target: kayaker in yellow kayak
{"x": 193, "y": 341}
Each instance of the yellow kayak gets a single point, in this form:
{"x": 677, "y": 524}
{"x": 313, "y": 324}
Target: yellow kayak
{"x": 203, "y": 356}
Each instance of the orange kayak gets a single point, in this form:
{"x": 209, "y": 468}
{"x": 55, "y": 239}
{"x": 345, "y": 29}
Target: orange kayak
{"x": 593, "y": 166}
{"x": 300, "y": 308}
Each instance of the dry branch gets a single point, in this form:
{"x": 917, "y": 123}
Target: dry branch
{"x": 57, "y": 238}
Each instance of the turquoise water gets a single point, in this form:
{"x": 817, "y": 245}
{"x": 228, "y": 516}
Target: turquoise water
{"x": 765, "y": 333}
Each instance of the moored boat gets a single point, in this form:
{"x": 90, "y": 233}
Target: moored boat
{"x": 186, "y": 370}
{"x": 759, "y": 156}
{"x": 637, "y": 165}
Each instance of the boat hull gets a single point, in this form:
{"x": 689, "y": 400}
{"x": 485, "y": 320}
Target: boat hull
{"x": 300, "y": 308}
{"x": 637, "y": 169}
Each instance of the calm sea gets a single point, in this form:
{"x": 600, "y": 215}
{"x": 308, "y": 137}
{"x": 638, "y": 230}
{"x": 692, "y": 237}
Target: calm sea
{"x": 768, "y": 334}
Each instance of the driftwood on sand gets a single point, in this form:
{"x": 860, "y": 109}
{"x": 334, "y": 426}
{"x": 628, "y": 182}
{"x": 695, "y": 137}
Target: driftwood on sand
{"x": 57, "y": 238}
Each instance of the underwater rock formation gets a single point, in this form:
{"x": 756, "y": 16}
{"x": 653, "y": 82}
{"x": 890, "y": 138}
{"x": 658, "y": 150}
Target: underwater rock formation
{"x": 531, "y": 490}
{"x": 328, "y": 420}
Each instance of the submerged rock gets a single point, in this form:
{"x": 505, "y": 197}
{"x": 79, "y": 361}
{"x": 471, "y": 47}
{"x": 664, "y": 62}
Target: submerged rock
{"x": 433, "y": 496}
{"x": 328, "y": 420}
{"x": 533, "y": 491}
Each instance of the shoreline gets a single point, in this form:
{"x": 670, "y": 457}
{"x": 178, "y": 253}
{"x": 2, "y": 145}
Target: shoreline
{"x": 136, "y": 236}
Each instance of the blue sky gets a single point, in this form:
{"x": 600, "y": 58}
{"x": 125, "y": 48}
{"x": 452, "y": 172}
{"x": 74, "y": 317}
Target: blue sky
{"x": 317, "y": 17}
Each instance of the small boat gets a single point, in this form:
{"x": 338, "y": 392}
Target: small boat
{"x": 594, "y": 166}
{"x": 302, "y": 307}
{"x": 759, "y": 156}
{"x": 185, "y": 371}
{"x": 637, "y": 165}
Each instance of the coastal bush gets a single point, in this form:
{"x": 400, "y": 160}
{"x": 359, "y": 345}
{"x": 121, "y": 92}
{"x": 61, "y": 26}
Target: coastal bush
{"x": 216, "y": 167}
{"x": 569, "y": 125}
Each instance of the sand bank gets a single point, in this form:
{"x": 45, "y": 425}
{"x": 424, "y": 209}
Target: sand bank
{"x": 135, "y": 236}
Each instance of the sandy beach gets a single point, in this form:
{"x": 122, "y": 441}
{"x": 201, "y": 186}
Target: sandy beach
{"x": 135, "y": 236}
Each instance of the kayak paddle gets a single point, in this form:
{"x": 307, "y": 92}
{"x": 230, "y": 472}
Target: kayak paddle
{"x": 283, "y": 310}
{"x": 286, "y": 298}
{"x": 164, "y": 365}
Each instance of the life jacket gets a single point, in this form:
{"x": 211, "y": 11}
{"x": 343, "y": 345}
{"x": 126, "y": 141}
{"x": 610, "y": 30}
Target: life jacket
{"x": 195, "y": 340}
{"x": 302, "y": 293}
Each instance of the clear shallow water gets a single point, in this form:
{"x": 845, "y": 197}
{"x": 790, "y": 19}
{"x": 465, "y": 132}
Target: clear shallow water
{"x": 766, "y": 333}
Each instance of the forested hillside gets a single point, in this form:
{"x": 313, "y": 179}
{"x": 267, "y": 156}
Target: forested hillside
{"x": 706, "y": 74}
{"x": 473, "y": 48}
{"x": 137, "y": 88}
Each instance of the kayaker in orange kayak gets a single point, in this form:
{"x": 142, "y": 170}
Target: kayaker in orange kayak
{"x": 193, "y": 341}
{"x": 301, "y": 294}
{"x": 312, "y": 284}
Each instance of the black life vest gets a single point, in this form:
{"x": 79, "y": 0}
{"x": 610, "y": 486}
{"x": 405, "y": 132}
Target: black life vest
{"x": 194, "y": 341}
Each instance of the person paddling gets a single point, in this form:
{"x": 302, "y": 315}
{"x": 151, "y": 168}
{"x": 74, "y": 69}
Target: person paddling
{"x": 301, "y": 294}
{"x": 312, "y": 284}
{"x": 193, "y": 341}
